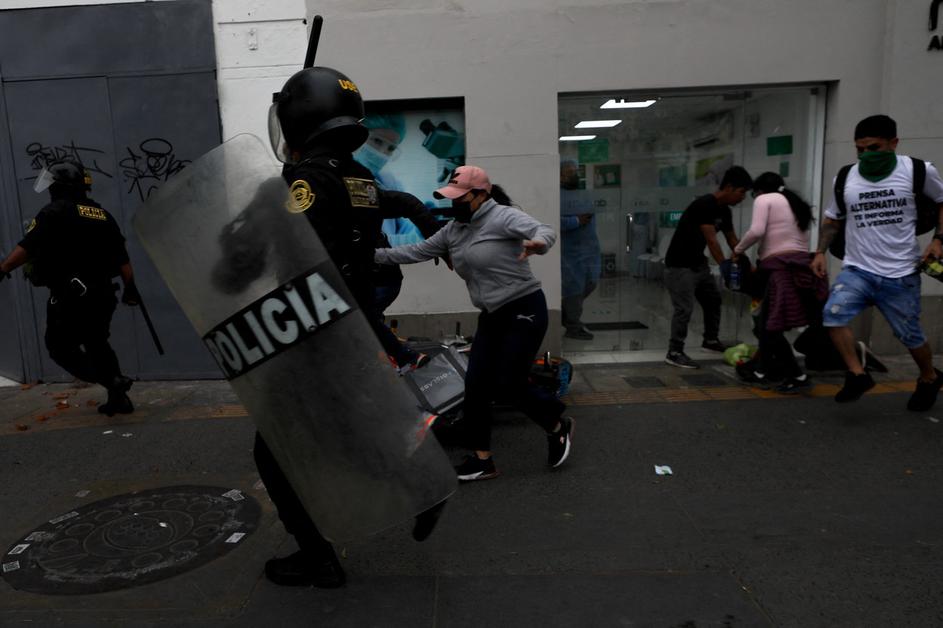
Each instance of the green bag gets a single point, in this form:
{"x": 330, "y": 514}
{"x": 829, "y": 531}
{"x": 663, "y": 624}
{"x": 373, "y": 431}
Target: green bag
{"x": 738, "y": 354}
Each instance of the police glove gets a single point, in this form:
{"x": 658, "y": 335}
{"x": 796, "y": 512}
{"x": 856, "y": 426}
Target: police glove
{"x": 131, "y": 296}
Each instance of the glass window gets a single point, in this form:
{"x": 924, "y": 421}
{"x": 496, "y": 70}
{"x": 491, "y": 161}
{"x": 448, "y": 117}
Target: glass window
{"x": 630, "y": 164}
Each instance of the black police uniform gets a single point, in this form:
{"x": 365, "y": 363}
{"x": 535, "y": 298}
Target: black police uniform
{"x": 75, "y": 248}
{"x": 340, "y": 200}
{"x": 318, "y": 113}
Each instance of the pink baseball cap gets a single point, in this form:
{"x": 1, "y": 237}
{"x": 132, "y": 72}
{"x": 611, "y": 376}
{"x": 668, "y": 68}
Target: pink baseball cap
{"x": 464, "y": 179}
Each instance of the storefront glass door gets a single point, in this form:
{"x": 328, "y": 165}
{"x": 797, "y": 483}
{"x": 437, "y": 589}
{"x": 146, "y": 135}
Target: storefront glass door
{"x": 630, "y": 164}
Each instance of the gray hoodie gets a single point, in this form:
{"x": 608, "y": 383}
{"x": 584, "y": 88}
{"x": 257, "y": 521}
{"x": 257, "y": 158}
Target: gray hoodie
{"x": 484, "y": 253}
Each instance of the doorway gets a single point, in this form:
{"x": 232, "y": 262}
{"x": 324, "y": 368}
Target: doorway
{"x": 640, "y": 159}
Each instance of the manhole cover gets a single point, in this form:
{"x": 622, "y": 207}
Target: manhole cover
{"x": 130, "y": 539}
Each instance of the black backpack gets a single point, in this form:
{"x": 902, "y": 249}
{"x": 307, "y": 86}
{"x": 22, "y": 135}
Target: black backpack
{"x": 928, "y": 212}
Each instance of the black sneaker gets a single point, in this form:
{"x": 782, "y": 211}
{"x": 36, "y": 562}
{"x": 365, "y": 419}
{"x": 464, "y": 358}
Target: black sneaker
{"x": 793, "y": 385}
{"x": 426, "y": 521}
{"x": 752, "y": 376}
{"x": 302, "y": 569}
{"x": 714, "y": 345}
{"x": 855, "y": 386}
{"x": 680, "y": 359}
{"x": 118, "y": 403}
{"x": 558, "y": 443}
{"x": 925, "y": 394}
{"x": 578, "y": 333}
{"x": 474, "y": 468}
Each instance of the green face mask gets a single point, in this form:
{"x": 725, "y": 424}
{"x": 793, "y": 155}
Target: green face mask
{"x": 876, "y": 165}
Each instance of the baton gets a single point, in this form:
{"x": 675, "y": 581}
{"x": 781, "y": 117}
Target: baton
{"x": 313, "y": 41}
{"x": 150, "y": 327}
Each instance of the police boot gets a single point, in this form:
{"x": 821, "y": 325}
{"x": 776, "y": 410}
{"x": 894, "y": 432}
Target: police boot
{"x": 426, "y": 521}
{"x": 303, "y": 569}
{"x": 118, "y": 400}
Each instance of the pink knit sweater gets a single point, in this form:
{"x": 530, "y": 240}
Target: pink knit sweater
{"x": 774, "y": 226}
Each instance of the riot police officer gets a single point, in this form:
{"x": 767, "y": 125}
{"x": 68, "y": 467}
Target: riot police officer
{"x": 75, "y": 248}
{"x": 314, "y": 125}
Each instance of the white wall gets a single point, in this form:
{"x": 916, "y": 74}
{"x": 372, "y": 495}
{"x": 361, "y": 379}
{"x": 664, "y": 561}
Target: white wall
{"x": 510, "y": 60}
{"x": 259, "y": 44}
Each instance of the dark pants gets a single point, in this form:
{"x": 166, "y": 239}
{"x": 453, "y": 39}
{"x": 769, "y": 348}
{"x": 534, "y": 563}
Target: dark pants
{"x": 77, "y": 332}
{"x": 685, "y": 286}
{"x": 776, "y": 354}
{"x": 506, "y": 342}
{"x": 572, "y": 308}
{"x": 385, "y": 294}
{"x": 290, "y": 510}
{"x": 367, "y": 300}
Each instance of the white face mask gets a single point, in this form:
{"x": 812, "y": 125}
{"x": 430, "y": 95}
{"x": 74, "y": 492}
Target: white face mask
{"x": 371, "y": 158}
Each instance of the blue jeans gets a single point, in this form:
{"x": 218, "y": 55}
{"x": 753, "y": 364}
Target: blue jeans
{"x": 898, "y": 299}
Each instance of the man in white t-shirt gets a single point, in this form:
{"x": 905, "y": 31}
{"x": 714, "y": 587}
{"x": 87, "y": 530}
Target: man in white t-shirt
{"x": 881, "y": 256}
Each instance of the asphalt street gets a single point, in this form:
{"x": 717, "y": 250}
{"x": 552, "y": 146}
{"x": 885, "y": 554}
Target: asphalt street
{"x": 778, "y": 511}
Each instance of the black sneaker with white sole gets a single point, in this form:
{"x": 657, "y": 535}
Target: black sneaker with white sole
{"x": 559, "y": 442}
{"x": 680, "y": 359}
{"x": 474, "y": 468}
{"x": 792, "y": 385}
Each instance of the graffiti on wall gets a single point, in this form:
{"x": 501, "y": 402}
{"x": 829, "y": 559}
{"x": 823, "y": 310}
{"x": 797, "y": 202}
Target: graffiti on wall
{"x": 41, "y": 156}
{"x": 143, "y": 168}
{"x": 153, "y": 163}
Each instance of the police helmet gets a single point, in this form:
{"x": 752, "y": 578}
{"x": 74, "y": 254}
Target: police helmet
{"x": 316, "y": 104}
{"x": 65, "y": 175}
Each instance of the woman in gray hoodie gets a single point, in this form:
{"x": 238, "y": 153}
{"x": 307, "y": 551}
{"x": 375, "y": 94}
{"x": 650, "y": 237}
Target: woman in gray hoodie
{"x": 489, "y": 243}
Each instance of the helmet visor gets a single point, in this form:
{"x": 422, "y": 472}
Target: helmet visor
{"x": 275, "y": 136}
{"x": 43, "y": 181}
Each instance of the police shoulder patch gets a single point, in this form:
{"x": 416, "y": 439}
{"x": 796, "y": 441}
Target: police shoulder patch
{"x": 300, "y": 197}
{"x": 95, "y": 213}
{"x": 363, "y": 192}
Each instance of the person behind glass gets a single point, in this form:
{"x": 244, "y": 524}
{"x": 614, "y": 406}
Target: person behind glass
{"x": 75, "y": 248}
{"x": 687, "y": 274}
{"x": 405, "y": 219}
{"x": 882, "y": 256}
{"x": 580, "y": 261}
{"x": 794, "y": 295}
{"x": 489, "y": 243}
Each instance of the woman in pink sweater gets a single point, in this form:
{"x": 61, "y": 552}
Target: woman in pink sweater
{"x": 793, "y": 296}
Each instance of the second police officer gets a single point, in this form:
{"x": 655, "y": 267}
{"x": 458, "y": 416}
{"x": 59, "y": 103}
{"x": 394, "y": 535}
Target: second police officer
{"x": 75, "y": 248}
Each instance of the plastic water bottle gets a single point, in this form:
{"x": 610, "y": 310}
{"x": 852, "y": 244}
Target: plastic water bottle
{"x": 734, "y": 276}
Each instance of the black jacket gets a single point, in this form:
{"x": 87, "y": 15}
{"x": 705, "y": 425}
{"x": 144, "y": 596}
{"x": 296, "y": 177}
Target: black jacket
{"x": 74, "y": 238}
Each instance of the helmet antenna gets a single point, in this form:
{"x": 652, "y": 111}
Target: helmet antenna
{"x": 313, "y": 41}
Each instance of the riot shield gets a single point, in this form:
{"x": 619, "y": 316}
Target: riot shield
{"x": 252, "y": 276}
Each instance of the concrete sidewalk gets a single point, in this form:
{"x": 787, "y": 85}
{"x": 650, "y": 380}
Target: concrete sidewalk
{"x": 780, "y": 511}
